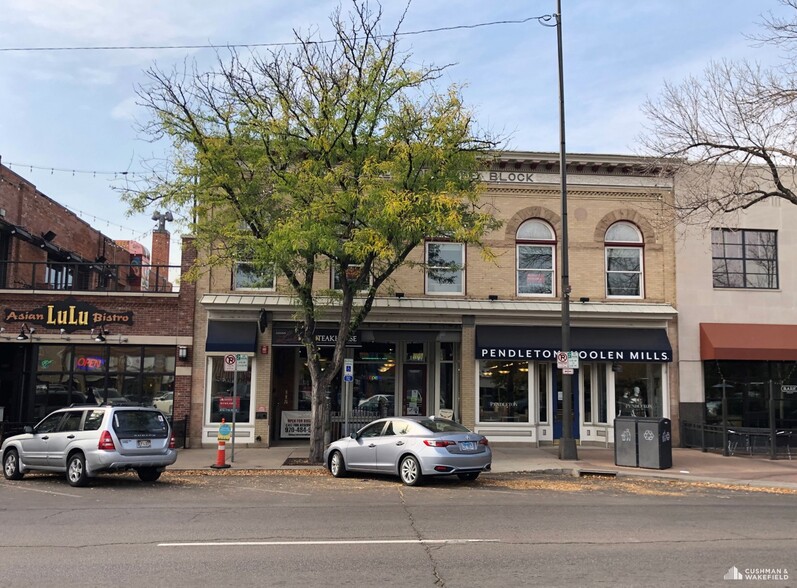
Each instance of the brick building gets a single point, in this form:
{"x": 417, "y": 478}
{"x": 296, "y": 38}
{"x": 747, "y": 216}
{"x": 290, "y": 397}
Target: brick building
{"x": 84, "y": 317}
{"x": 479, "y": 344}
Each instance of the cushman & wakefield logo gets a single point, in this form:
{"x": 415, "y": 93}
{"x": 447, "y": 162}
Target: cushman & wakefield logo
{"x": 70, "y": 315}
{"x": 762, "y": 574}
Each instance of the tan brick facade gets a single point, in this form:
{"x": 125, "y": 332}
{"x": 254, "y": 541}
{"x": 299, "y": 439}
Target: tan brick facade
{"x": 601, "y": 191}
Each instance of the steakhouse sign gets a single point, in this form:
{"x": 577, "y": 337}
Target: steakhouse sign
{"x": 70, "y": 314}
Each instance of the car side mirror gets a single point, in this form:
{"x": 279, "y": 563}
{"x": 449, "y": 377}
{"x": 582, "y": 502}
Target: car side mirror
{"x": 354, "y": 435}
{"x": 28, "y": 429}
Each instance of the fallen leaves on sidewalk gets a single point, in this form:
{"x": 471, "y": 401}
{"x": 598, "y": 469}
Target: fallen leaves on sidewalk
{"x": 515, "y": 481}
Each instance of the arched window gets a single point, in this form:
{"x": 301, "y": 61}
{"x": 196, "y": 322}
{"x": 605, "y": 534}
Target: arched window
{"x": 536, "y": 262}
{"x": 624, "y": 269}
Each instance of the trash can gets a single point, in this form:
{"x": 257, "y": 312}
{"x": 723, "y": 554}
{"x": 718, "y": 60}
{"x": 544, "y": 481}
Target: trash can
{"x": 654, "y": 443}
{"x": 625, "y": 442}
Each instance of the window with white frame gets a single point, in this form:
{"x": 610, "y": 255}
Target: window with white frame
{"x": 253, "y": 276}
{"x": 445, "y": 268}
{"x": 536, "y": 249}
{"x": 624, "y": 270}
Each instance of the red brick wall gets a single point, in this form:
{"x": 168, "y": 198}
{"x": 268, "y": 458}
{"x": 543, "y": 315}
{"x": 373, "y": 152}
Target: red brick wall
{"x": 37, "y": 213}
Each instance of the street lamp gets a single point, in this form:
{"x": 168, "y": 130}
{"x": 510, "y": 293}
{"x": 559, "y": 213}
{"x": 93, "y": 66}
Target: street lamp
{"x": 567, "y": 443}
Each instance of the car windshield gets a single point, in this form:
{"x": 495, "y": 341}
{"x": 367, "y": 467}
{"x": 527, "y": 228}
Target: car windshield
{"x": 443, "y": 426}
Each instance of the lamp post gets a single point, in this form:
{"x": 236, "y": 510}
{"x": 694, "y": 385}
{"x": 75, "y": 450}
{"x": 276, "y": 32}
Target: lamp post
{"x": 567, "y": 443}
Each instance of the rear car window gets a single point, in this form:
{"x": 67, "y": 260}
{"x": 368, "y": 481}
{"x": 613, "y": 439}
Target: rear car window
{"x": 443, "y": 426}
{"x": 133, "y": 423}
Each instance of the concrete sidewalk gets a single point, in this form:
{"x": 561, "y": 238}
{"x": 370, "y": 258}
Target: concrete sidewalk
{"x": 688, "y": 464}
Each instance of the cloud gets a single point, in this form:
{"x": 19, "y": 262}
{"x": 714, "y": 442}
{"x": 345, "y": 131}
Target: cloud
{"x": 127, "y": 109}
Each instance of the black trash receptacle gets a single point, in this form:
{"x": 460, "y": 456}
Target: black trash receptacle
{"x": 625, "y": 442}
{"x": 654, "y": 443}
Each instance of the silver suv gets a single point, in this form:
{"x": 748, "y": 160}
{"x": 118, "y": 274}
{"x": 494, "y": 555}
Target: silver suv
{"x": 82, "y": 441}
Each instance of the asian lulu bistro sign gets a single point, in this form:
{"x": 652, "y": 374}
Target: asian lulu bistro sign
{"x": 70, "y": 315}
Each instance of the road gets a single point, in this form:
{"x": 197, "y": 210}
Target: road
{"x": 308, "y": 529}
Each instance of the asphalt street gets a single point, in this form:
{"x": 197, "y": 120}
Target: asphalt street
{"x": 309, "y": 529}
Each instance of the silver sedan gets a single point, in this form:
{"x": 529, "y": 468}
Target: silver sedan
{"x": 411, "y": 448}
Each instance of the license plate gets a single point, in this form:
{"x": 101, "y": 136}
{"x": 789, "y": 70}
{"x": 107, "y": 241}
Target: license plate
{"x": 144, "y": 443}
{"x": 468, "y": 446}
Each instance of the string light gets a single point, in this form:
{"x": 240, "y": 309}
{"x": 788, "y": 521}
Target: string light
{"x": 92, "y": 172}
{"x": 86, "y": 215}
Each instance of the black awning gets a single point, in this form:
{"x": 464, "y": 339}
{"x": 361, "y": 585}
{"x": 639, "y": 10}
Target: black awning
{"x": 592, "y": 344}
{"x": 232, "y": 336}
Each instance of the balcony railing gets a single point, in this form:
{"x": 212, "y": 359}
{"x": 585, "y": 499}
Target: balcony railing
{"x": 87, "y": 277}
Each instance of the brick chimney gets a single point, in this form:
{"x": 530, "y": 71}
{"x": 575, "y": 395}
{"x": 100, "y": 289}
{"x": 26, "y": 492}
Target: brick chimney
{"x": 161, "y": 239}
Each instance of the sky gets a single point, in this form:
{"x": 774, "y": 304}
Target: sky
{"x": 69, "y": 119}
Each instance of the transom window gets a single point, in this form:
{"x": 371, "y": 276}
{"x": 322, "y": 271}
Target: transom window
{"x": 536, "y": 249}
{"x": 624, "y": 247}
{"x": 253, "y": 276}
{"x": 744, "y": 258}
{"x": 445, "y": 268}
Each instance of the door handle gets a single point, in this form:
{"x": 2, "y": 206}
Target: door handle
{"x": 399, "y": 442}
{"x": 372, "y": 445}
{"x": 45, "y": 438}
{"x": 70, "y": 436}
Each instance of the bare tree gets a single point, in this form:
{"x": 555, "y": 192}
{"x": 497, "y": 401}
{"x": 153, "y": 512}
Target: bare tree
{"x": 731, "y": 132}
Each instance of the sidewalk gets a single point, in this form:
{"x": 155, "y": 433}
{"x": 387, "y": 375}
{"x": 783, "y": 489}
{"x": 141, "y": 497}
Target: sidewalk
{"x": 688, "y": 464}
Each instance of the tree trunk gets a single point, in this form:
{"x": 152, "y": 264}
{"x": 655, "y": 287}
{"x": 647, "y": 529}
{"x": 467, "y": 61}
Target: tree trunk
{"x": 318, "y": 419}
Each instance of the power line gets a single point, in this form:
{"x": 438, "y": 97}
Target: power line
{"x": 541, "y": 19}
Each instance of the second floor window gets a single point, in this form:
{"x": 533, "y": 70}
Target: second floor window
{"x": 445, "y": 268}
{"x": 624, "y": 249}
{"x": 536, "y": 248}
{"x": 744, "y": 258}
{"x": 253, "y": 276}
{"x": 352, "y": 273}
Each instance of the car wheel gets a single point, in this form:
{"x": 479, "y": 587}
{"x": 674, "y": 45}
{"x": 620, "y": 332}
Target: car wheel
{"x": 76, "y": 470}
{"x": 336, "y": 465}
{"x": 468, "y": 477}
{"x": 410, "y": 471}
{"x": 148, "y": 474}
{"x": 11, "y": 469}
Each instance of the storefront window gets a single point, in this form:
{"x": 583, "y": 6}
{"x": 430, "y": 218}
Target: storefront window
{"x": 67, "y": 374}
{"x": 375, "y": 378}
{"x": 593, "y": 383}
{"x": 503, "y": 391}
{"x": 223, "y": 402}
{"x": 747, "y": 386}
{"x": 542, "y": 392}
{"x": 638, "y": 389}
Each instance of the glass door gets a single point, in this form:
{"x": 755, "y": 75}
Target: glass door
{"x": 415, "y": 393}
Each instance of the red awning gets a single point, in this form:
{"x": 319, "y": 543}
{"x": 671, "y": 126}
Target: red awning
{"x": 748, "y": 342}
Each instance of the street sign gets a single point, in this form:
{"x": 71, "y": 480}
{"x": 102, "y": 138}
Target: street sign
{"x": 241, "y": 362}
{"x": 224, "y": 432}
{"x": 567, "y": 370}
{"x": 561, "y": 359}
{"x": 572, "y": 360}
{"x": 348, "y": 370}
{"x": 229, "y": 362}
